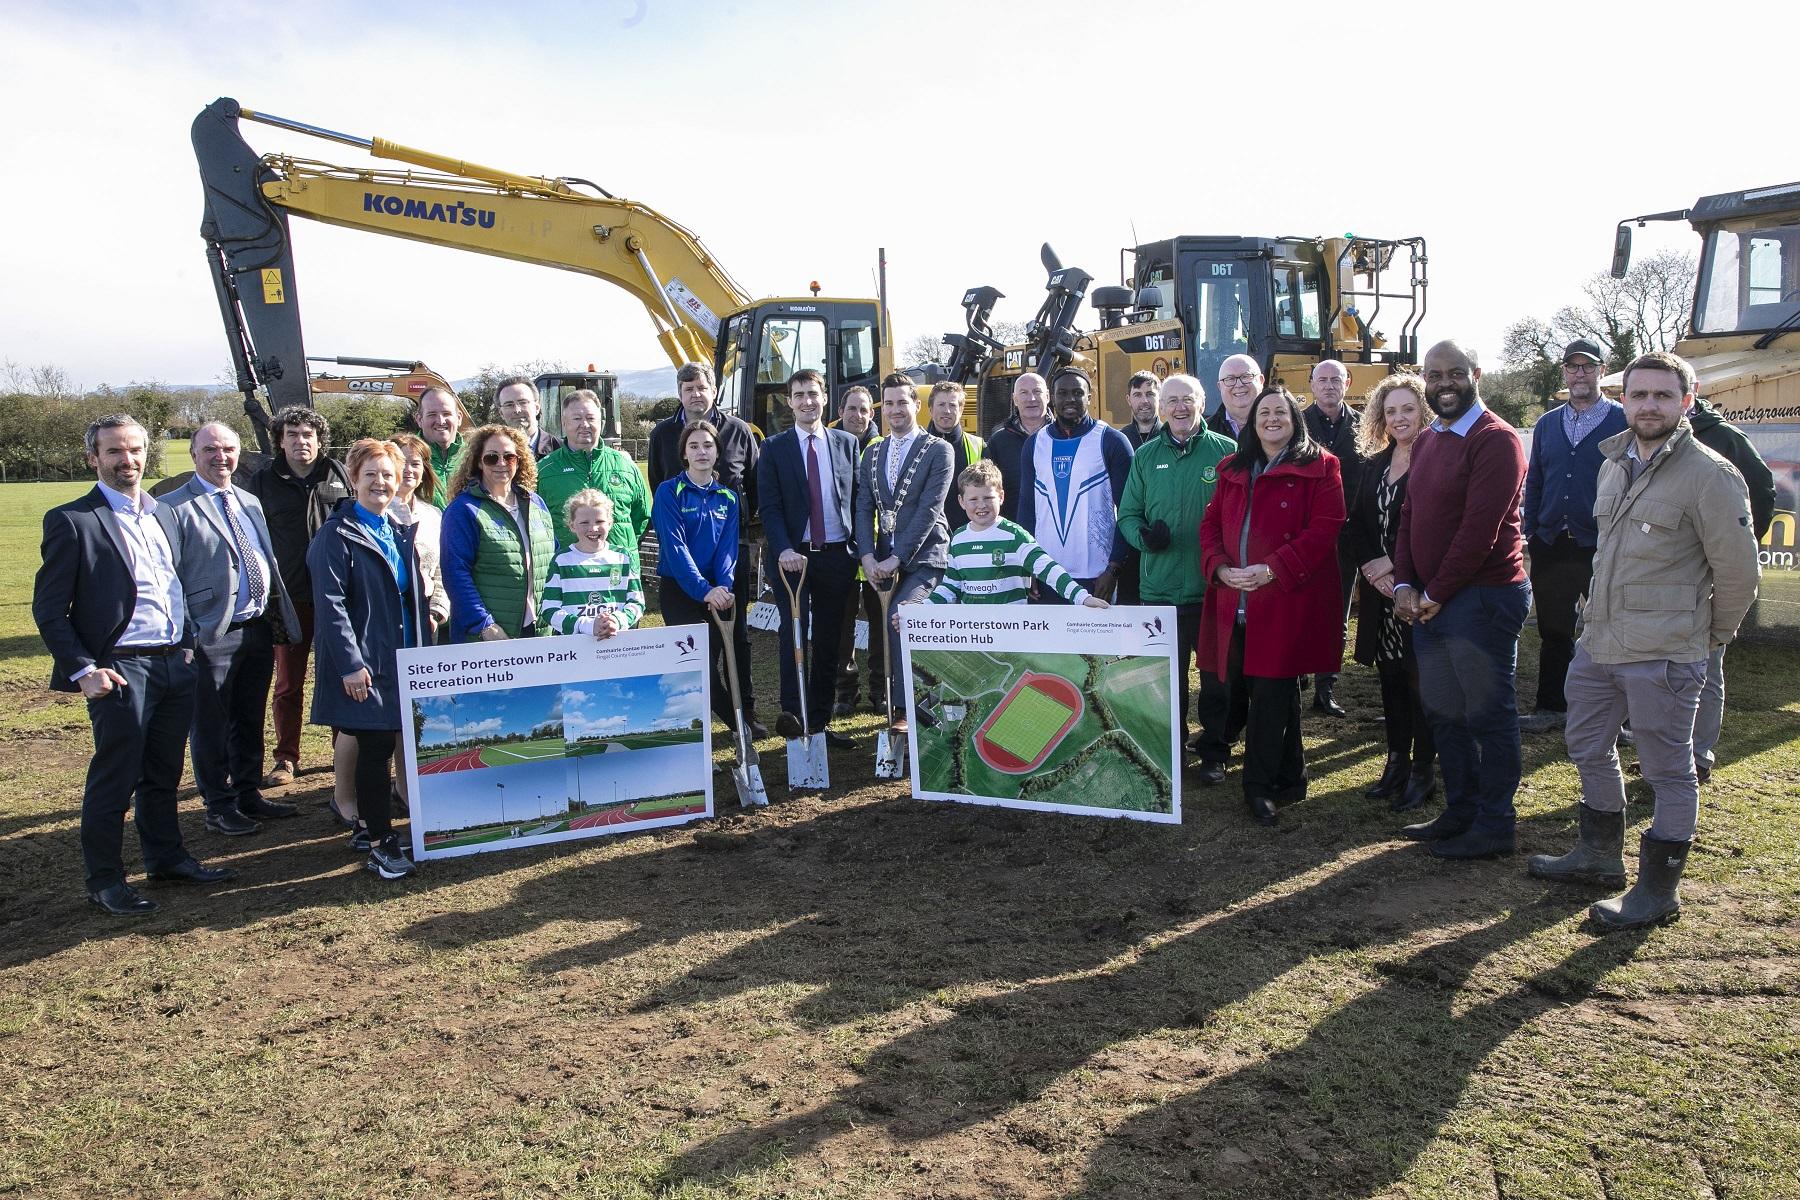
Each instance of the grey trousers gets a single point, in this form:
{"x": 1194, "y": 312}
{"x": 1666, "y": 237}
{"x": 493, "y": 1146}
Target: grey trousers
{"x": 1711, "y": 717}
{"x": 1660, "y": 698}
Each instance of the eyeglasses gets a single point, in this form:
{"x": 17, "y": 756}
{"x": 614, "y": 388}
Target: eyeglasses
{"x": 494, "y": 458}
{"x": 1581, "y": 368}
{"x": 1235, "y": 380}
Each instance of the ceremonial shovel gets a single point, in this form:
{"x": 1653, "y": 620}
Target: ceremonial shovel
{"x": 887, "y": 760}
{"x": 806, "y": 762}
{"x": 746, "y": 775}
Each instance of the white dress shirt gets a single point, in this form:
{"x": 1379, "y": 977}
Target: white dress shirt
{"x": 834, "y": 525}
{"x": 160, "y": 612}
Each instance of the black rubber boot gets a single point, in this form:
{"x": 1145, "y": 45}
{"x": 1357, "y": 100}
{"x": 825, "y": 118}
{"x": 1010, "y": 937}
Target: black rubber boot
{"x": 1393, "y": 778}
{"x": 1598, "y": 855}
{"x": 1655, "y": 899}
{"x": 1421, "y": 785}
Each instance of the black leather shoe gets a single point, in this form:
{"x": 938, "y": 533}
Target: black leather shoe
{"x": 1444, "y": 825}
{"x": 1262, "y": 809}
{"x": 1421, "y": 785}
{"x": 788, "y": 726}
{"x": 758, "y": 730}
{"x": 1702, "y": 772}
{"x": 838, "y": 741}
{"x": 230, "y": 822}
{"x": 122, "y": 900}
{"x": 191, "y": 871}
{"x": 1325, "y": 702}
{"x": 1474, "y": 843}
{"x": 1392, "y": 781}
{"x": 1211, "y": 773}
{"x": 842, "y": 709}
{"x": 257, "y": 808}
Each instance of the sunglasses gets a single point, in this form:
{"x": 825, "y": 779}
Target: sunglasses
{"x": 494, "y": 458}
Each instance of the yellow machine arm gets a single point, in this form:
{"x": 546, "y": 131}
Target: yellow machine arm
{"x": 467, "y": 206}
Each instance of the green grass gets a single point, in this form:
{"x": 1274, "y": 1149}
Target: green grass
{"x": 857, "y": 995}
{"x": 1028, "y": 723}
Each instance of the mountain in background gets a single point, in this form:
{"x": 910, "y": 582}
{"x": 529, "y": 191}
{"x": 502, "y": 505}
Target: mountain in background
{"x": 655, "y": 382}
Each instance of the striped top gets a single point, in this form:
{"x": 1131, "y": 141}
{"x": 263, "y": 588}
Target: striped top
{"x": 583, "y": 584}
{"x": 996, "y": 566}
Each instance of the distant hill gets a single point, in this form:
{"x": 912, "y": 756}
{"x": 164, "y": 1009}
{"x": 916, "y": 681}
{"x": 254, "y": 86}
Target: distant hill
{"x": 655, "y": 382}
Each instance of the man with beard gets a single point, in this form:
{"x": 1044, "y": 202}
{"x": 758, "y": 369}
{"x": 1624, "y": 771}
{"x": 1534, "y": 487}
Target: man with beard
{"x": 1141, "y": 398}
{"x": 1559, "y": 519}
{"x": 1240, "y": 383}
{"x": 1675, "y": 572}
{"x": 1336, "y": 426}
{"x": 946, "y": 407}
{"x": 856, "y": 410}
{"x": 1072, "y": 473}
{"x": 1006, "y": 443}
{"x": 1459, "y": 579}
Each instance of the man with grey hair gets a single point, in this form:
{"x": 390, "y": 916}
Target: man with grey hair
{"x": 109, "y": 603}
{"x": 1006, "y": 443}
{"x": 1240, "y": 382}
{"x": 1675, "y": 571}
{"x": 1336, "y": 426}
{"x": 240, "y": 611}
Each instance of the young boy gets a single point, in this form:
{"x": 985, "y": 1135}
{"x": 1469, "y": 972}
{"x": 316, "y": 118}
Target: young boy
{"x": 992, "y": 560}
{"x": 592, "y": 588}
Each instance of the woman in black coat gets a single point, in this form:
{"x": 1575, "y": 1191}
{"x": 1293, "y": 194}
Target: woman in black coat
{"x": 366, "y": 604}
{"x": 1394, "y": 416}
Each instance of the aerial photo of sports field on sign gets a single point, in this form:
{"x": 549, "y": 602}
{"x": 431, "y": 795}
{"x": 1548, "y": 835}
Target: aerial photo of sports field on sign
{"x": 1087, "y": 731}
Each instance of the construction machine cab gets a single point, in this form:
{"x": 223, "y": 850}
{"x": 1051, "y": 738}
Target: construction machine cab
{"x": 553, "y": 386}
{"x": 760, "y": 348}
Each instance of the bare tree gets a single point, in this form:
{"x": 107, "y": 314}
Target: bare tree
{"x": 46, "y": 380}
{"x": 924, "y": 349}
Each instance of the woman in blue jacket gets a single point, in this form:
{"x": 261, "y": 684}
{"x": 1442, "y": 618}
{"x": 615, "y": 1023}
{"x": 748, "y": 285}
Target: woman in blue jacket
{"x": 366, "y": 603}
{"x": 696, "y": 519}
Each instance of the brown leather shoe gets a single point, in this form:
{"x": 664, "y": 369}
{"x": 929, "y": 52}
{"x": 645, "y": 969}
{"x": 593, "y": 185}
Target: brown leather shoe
{"x": 280, "y": 775}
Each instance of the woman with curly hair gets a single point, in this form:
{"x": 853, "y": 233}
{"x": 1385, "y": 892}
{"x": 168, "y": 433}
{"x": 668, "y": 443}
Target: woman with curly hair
{"x": 498, "y": 541}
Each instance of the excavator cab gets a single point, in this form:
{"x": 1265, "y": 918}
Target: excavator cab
{"x": 552, "y": 386}
{"x": 761, "y": 347}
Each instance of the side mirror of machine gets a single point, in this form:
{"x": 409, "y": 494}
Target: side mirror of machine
{"x": 1621, "y": 262}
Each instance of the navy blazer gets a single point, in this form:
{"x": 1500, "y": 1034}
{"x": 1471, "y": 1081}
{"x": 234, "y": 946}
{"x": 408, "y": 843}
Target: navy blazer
{"x": 360, "y": 620}
{"x": 84, "y": 595}
{"x": 783, "y": 498}
{"x": 210, "y": 563}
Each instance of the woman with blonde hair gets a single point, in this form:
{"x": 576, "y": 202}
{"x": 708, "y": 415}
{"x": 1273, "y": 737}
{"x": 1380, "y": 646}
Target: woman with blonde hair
{"x": 1396, "y": 413}
{"x": 498, "y": 540}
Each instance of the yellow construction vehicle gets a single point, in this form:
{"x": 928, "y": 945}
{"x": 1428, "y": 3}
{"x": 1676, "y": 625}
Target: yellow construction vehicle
{"x": 699, "y": 312}
{"x": 1743, "y": 337}
{"x": 1188, "y": 303}
{"x": 402, "y": 379}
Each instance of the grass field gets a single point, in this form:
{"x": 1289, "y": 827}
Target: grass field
{"x": 634, "y": 741}
{"x": 859, "y": 996}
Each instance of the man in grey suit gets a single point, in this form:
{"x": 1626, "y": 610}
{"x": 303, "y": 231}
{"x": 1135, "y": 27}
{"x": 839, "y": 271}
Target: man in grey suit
{"x": 109, "y": 604}
{"x": 900, "y": 528}
{"x": 240, "y": 611}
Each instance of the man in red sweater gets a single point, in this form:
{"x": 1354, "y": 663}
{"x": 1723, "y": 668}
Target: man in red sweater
{"x": 1459, "y": 570}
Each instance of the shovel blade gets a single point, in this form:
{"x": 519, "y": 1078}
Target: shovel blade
{"x": 887, "y": 763}
{"x": 807, "y": 765}
{"x": 750, "y": 789}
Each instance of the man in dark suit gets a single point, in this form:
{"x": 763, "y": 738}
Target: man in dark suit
{"x": 805, "y": 476}
{"x": 240, "y": 611}
{"x": 109, "y": 604}
{"x": 900, "y": 528}
{"x": 1336, "y": 426}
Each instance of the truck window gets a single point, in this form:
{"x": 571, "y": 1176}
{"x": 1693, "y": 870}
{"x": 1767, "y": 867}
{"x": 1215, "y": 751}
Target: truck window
{"x": 856, "y": 360}
{"x": 1296, "y": 301}
{"x": 1749, "y": 278}
{"x": 789, "y": 344}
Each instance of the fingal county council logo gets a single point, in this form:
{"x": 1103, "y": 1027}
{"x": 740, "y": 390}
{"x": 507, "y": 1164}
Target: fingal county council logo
{"x": 686, "y": 645}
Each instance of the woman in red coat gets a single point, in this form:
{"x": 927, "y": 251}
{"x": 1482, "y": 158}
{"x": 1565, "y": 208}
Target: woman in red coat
{"x": 1268, "y": 545}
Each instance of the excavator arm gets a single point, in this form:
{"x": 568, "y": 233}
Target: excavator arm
{"x": 447, "y": 202}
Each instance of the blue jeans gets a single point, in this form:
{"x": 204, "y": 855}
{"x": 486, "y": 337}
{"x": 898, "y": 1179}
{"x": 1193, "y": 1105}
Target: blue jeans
{"x": 1467, "y": 657}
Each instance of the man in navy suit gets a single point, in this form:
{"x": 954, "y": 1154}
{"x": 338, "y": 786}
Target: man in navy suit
{"x": 803, "y": 481}
{"x": 240, "y": 610}
{"x": 109, "y": 604}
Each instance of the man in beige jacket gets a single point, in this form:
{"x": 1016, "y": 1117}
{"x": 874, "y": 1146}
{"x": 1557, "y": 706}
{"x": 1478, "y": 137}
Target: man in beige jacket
{"x": 1675, "y": 571}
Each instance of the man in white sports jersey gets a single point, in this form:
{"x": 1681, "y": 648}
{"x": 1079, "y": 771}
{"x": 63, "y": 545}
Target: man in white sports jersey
{"x": 1071, "y": 477}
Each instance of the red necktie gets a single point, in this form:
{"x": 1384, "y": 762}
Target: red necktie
{"x": 816, "y": 517}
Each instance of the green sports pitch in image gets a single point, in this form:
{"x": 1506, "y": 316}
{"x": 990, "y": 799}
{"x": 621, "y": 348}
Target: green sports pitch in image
{"x": 1088, "y": 731}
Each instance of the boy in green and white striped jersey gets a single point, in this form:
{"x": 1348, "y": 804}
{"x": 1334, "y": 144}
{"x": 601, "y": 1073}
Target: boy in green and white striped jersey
{"x": 992, "y": 560}
{"x": 593, "y": 588}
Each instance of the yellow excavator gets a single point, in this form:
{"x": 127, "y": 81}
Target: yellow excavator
{"x": 1743, "y": 336}
{"x": 1190, "y": 302}
{"x": 699, "y": 312}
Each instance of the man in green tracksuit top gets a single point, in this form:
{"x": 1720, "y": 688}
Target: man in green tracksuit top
{"x": 584, "y": 462}
{"x": 441, "y": 420}
{"x": 1172, "y": 478}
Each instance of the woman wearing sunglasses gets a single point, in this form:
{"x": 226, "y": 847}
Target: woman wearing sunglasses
{"x": 497, "y": 540}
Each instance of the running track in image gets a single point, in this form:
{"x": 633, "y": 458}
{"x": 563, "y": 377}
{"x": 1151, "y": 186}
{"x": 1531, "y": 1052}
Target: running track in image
{"x": 462, "y": 760}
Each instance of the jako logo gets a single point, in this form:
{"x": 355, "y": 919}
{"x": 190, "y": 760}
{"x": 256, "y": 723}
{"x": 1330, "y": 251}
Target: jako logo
{"x": 421, "y": 210}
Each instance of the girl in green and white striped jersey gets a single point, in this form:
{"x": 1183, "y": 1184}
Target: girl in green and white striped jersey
{"x": 992, "y": 560}
{"x": 593, "y": 588}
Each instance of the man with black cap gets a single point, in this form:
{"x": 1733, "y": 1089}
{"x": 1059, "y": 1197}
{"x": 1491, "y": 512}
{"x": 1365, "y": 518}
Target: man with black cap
{"x": 1560, "y": 478}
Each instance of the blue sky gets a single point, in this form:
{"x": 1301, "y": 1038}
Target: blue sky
{"x": 639, "y": 703}
{"x": 796, "y": 138}
{"x": 457, "y": 799}
{"x": 489, "y": 714}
